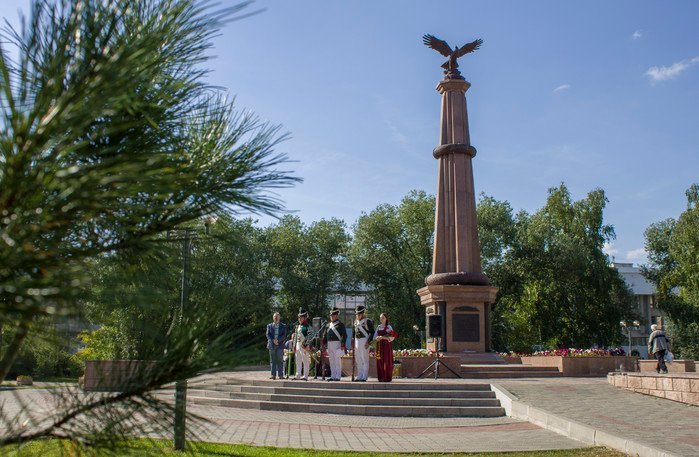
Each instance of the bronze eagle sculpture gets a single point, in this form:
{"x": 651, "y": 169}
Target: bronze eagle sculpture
{"x": 450, "y": 66}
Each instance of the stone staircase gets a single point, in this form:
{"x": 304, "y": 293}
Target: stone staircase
{"x": 510, "y": 370}
{"x": 404, "y": 399}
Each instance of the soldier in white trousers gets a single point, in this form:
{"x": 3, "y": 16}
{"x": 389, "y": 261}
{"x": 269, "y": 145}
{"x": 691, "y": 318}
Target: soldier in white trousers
{"x": 334, "y": 338}
{"x": 303, "y": 358}
{"x": 363, "y": 335}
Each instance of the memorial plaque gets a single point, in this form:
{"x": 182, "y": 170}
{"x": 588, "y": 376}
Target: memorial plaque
{"x": 471, "y": 309}
{"x": 466, "y": 328}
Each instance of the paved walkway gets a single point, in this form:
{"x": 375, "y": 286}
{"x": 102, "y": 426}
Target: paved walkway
{"x": 655, "y": 422}
{"x": 662, "y": 424}
{"x": 370, "y": 433}
{"x": 328, "y": 431}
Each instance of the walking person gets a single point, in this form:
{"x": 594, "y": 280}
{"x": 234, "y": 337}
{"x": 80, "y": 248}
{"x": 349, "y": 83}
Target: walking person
{"x": 658, "y": 345}
{"x": 303, "y": 358}
{"x": 363, "y": 336}
{"x": 384, "y": 336}
{"x": 276, "y": 336}
{"x": 334, "y": 337}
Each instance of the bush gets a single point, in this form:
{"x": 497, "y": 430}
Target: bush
{"x": 47, "y": 358}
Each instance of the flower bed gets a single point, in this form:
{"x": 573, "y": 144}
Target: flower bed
{"x": 568, "y": 352}
{"x": 413, "y": 353}
{"x": 576, "y": 362}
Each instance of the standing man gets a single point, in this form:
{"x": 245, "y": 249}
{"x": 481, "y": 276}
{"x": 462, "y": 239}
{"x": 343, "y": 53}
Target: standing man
{"x": 363, "y": 336}
{"x": 658, "y": 345}
{"x": 335, "y": 336}
{"x": 303, "y": 358}
{"x": 276, "y": 335}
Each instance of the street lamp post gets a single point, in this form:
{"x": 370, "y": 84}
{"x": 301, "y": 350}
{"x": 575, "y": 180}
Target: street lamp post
{"x": 629, "y": 329}
{"x": 188, "y": 236}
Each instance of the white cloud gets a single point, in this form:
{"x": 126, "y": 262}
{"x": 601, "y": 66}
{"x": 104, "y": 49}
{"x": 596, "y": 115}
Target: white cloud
{"x": 609, "y": 249}
{"x": 561, "y": 88}
{"x": 637, "y": 255}
{"x": 636, "y": 35}
{"x": 663, "y": 73}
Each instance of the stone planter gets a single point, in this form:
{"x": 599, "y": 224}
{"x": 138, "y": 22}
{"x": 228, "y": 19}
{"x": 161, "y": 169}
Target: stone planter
{"x": 410, "y": 367}
{"x": 116, "y": 375}
{"x": 25, "y": 381}
{"x": 583, "y": 366}
{"x": 676, "y": 366}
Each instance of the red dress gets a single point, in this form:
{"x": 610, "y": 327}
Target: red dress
{"x": 384, "y": 365}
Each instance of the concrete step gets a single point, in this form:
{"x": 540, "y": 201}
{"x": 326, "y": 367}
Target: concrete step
{"x": 511, "y": 374}
{"x": 366, "y": 410}
{"x": 325, "y": 399}
{"x": 371, "y": 385}
{"x": 506, "y": 367}
{"x": 353, "y": 393}
{"x": 478, "y": 357}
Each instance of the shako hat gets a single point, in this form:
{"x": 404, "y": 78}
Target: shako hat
{"x": 360, "y": 309}
{"x": 335, "y": 311}
{"x": 303, "y": 313}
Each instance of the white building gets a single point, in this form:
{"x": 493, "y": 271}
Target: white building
{"x": 645, "y": 302}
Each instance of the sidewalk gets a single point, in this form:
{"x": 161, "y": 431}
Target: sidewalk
{"x": 340, "y": 432}
{"x": 371, "y": 433}
{"x": 662, "y": 424}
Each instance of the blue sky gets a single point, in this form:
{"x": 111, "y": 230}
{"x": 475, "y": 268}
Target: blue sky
{"x": 593, "y": 94}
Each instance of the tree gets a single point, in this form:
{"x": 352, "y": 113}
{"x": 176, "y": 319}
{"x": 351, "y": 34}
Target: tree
{"x": 391, "y": 254}
{"x": 673, "y": 256}
{"x": 308, "y": 263}
{"x": 134, "y": 299}
{"x": 556, "y": 286}
{"x": 109, "y": 139}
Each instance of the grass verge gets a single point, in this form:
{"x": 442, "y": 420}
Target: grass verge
{"x": 148, "y": 448}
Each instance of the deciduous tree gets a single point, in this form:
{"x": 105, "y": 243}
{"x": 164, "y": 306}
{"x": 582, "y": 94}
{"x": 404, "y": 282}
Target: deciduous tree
{"x": 673, "y": 255}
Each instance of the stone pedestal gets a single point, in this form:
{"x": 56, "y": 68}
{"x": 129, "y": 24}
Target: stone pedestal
{"x": 465, "y": 312}
{"x": 457, "y": 289}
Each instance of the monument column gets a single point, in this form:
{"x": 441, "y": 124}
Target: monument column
{"x": 457, "y": 289}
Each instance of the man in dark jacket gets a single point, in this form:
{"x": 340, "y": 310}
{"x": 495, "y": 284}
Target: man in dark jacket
{"x": 658, "y": 345}
{"x": 276, "y": 335}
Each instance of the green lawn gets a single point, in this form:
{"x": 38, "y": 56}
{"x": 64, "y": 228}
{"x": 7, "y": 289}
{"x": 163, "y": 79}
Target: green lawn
{"x": 146, "y": 448}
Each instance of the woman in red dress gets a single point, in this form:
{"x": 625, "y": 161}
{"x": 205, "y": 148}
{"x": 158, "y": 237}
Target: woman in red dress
{"x": 384, "y": 337}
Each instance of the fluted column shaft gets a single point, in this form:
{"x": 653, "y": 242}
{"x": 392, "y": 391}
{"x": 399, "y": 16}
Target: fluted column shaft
{"x": 456, "y": 248}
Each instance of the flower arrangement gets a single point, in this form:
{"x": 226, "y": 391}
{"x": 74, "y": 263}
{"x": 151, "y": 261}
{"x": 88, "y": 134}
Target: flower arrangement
{"x": 570, "y": 352}
{"x": 413, "y": 353}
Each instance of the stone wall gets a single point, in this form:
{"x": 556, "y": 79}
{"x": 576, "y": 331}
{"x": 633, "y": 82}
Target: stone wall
{"x": 583, "y": 366}
{"x": 116, "y": 375}
{"x": 674, "y": 386}
{"x": 676, "y": 366}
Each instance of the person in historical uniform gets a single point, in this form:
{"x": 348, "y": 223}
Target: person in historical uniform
{"x": 276, "y": 336}
{"x": 334, "y": 338}
{"x": 363, "y": 336}
{"x": 384, "y": 336}
{"x": 303, "y": 358}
